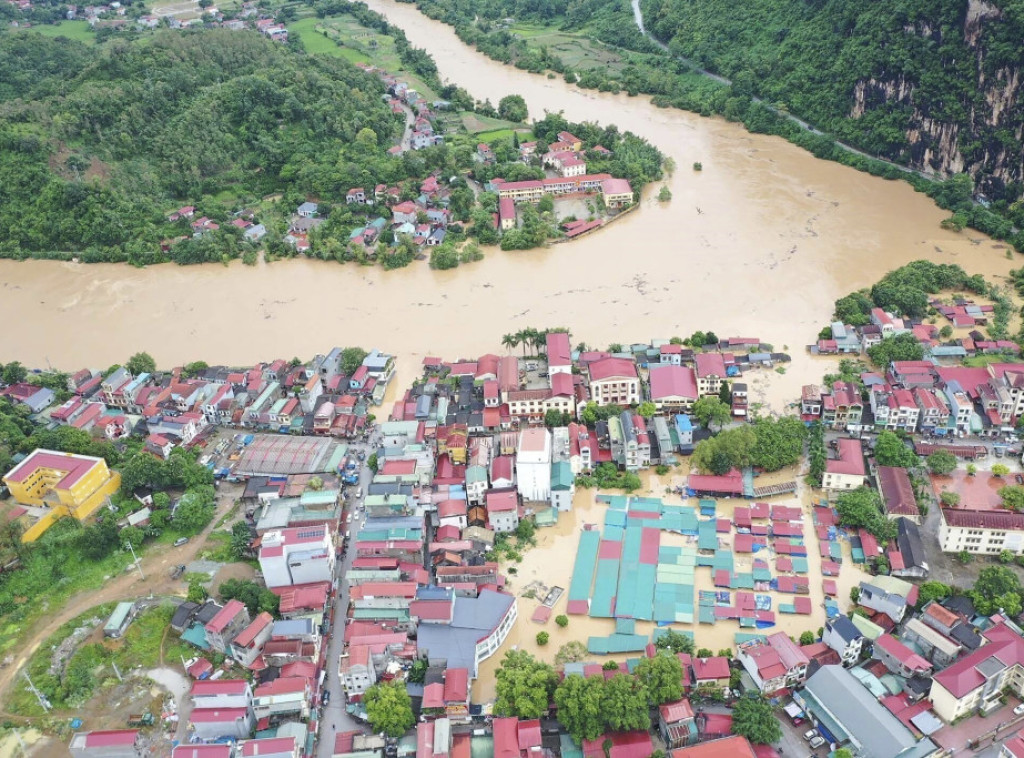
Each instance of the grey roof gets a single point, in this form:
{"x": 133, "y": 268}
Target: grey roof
{"x": 292, "y": 627}
{"x": 966, "y": 636}
{"x": 849, "y": 704}
{"x": 473, "y": 619}
{"x": 911, "y": 546}
{"x": 842, "y": 626}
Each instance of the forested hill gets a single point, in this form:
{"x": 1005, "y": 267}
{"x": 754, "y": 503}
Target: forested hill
{"x": 931, "y": 83}
{"x": 97, "y": 144}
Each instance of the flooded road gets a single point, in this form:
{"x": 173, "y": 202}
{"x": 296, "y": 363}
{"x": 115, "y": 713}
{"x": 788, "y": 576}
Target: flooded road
{"x": 759, "y": 243}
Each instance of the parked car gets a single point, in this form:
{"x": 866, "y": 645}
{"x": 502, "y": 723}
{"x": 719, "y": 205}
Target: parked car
{"x": 817, "y": 742}
{"x": 180, "y": 541}
{"x": 1019, "y": 710}
{"x": 810, "y": 734}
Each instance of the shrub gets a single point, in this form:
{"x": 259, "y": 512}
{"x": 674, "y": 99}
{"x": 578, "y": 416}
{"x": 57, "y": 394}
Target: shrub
{"x": 542, "y": 638}
{"x": 562, "y": 620}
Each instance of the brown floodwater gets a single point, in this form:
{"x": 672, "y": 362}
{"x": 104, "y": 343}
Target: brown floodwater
{"x": 759, "y": 243}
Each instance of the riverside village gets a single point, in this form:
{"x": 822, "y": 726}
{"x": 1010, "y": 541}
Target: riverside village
{"x": 547, "y": 550}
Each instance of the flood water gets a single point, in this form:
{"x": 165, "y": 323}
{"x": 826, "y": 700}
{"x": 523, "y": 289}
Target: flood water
{"x": 550, "y": 564}
{"x": 759, "y": 243}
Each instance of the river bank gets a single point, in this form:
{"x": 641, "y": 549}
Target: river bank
{"x": 763, "y": 239}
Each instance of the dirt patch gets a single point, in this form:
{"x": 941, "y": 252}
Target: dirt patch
{"x": 233, "y": 571}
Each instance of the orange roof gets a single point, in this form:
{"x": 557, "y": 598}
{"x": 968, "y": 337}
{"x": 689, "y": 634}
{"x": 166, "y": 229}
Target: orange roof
{"x": 730, "y": 747}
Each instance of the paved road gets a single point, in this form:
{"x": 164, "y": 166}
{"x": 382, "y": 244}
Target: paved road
{"x": 335, "y": 718}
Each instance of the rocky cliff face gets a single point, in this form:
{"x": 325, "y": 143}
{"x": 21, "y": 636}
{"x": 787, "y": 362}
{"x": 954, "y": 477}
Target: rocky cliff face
{"x": 985, "y": 140}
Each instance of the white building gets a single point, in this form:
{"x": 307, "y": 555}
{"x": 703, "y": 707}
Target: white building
{"x": 563, "y": 486}
{"x": 614, "y": 381}
{"x": 846, "y": 471}
{"x": 533, "y": 464}
{"x": 981, "y": 532}
{"x": 297, "y": 556}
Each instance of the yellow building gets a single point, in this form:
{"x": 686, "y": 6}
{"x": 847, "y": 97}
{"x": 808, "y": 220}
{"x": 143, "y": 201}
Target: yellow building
{"x": 67, "y": 484}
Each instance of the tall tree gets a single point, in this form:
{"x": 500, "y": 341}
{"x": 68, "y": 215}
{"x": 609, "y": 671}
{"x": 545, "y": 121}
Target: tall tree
{"x": 754, "y": 718}
{"x": 624, "y": 701}
{"x": 140, "y": 363}
{"x": 662, "y": 677}
{"x": 524, "y": 686}
{"x": 389, "y": 708}
{"x": 579, "y": 706}
{"x": 711, "y": 412}
{"x": 890, "y": 450}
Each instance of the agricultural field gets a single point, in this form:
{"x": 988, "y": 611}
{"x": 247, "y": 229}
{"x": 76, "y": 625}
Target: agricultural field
{"x": 79, "y": 31}
{"x": 487, "y": 129}
{"x": 576, "y": 50}
{"x": 344, "y": 37}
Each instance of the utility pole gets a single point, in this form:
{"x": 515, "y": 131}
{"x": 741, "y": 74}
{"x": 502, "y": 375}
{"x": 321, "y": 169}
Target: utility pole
{"x": 39, "y": 695}
{"x": 136, "y": 559}
{"x": 119, "y": 677}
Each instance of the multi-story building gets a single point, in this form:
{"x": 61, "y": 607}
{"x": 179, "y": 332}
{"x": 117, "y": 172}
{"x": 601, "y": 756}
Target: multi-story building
{"x": 981, "y": 532}
{"x": 774, "y": 663}
{"x": 614, "y": 381}
{"x": 977, "y": 681}
{"x": 842, "y": 408}
{"x": 846, "y": 471}
{"x": 563, "y": 486}
{"x": 673, "y": 388}
{"x": 533, "y": 464}
{"x": 285, "y": 695}
{"x": 229, "y": 621}
{"x": 503, "y": 510}
{"x": 710, "y": 373}
{"x": 961, "y": 409}
{"x": 846, "y": 639}
{"x": 297, "y": 556}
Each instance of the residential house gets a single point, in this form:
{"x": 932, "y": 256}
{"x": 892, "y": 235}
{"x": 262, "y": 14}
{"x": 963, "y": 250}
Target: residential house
{"x": 887, "y": 595}
{"x": 502, "y": 510}
{"x": 229, "y": 621}
{"x": 271, "y": 747}
{"x": 841, "y": 635}
{"x": 846, "y": 471}
{"x": 356, "y": 670}
{"x": 533, "y": 465}
{"x": 246, "y": 647}
{"x": 713, "y": 671}
{"x": 616, "y": 193}
{"x": 677, "y": 724}
{"x": 115, "y": 743}
{"x": 899, "y": 658}
{"x": 297, "y": 556}
{"x": 734, "y": 746}
{"x": 710, "y": 371}
{"x": 563, "y": 486}
{"x": 774, "y": 663}
{"x": 217, "y": 723}
{"x": 307, "y": 210}
{"x": 286, "y": 695}
{"x": 221, "y": 693}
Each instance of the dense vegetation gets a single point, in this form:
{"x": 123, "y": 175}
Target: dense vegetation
{"x": 98, "y": 144}
{"x": 815, "y": 57}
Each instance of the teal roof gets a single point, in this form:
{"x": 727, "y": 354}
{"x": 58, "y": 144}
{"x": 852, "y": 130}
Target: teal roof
{"x": 323, "y": 497}
{"x": 118, "y": 616}
{"x": 479, "y": 474}
{"x": 196, "y": 635}
{"x": 561, "y": 475}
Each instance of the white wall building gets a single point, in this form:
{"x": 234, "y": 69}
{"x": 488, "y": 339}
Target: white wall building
{"x": 297, "y": 556}
{"x": 533, "y": 464}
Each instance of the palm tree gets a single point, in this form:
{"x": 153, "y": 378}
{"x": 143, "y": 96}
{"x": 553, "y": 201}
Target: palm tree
{"x": 510, "y": 341}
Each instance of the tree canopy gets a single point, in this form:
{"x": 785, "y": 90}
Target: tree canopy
{"x": 754, "y": 718}
{"x": 662, "y": 677}
{"x": 862, "y": 507}
{"x": 579, "y": 706}
{"x": 389, "y": 708}
{"x": 997, "y": 587}
{"x": 891, "y": 450}
{"x": 524, "y": 686}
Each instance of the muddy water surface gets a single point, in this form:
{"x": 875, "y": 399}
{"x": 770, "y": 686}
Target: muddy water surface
{"x": 759, "y": 243}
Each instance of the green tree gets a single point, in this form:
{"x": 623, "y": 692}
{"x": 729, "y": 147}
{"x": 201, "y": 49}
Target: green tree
{"x": 725, "y": 394}
{"x": 662, "y": 677}
{"x": 255, "y": 597}
{"x": 890, "y": 450}
{"x": 950, "y": 499}
{"x": 997, "y": 587}
{"x": 624, "y": 702}
{"x": 647, "y": 409}
{"x": 513, "y": 108}
{"x": 195, "y": 510}
{"x": 1013, "y": 497}
{"x": 807, "y": 638}
{"x": 13, "y": 373}
{"x": 241, "y": 541}
{"x": 711, "y": 412}
{"x": 546, "y": 204}
{"x": 705, "y": 653}
{"x": 730, "y": 449}
{"x": 140, "y": 363}
{"x": 133, "y": 536}
{"x": 571, "y": 652}
{"x": 932, "y": 590}
{"x": 664, "y": 194}
{"x": 196, "y": 591}
{"x": 351, "y": 359}
{"x": 562, "y": 620}
{"x": 902, "y": 347}
{"x": 389, "y": 708}
{"x": 941, "y": 462}
{"x": 371, "y": 462}
{"x": 579, "y": 704}
{"x": 1000, "y": 470}
{"x": 779, "y": 442}
{"x": 675, "y": 642}
{"x": 754, "y": 718}
{"x": 863, "y": 508}
{"x": 843, "y": 752}
{"x": 542, "y": 638}
{"x": 524, "y": 686}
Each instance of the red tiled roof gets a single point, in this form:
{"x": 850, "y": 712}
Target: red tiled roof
{"x": 501, "y": 501}
{"x": 897, "y": 492}
{"x": 673, "y": 381}
{"x": 964, "y": 677}
{"x": 267, "y": 746}
{"x": 902, "y": 653}
{"x": 249, "y": 634}
{"x": 850, "y": 461}
{"x": 680, "y": 710}
{"x": 983, "y": 519}
{"x": 607, "y": 368}
{"x": 74, "y": 466}
{"x": 111, "y": 738}
{"x": 224, "y": 616}
{"x": 729, "y": 747}
{"x": 710, "y": 364}
{"x": 710, "y": 668}
{"x": 210, "y": 688}
{"x": 218, "y": 715}
{"x": 456, "y": 685}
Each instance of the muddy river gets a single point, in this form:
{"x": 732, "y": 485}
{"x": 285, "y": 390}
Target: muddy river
{"x": 759, "y": 243}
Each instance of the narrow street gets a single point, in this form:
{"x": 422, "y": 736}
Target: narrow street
{"x": 335, "y": 718}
